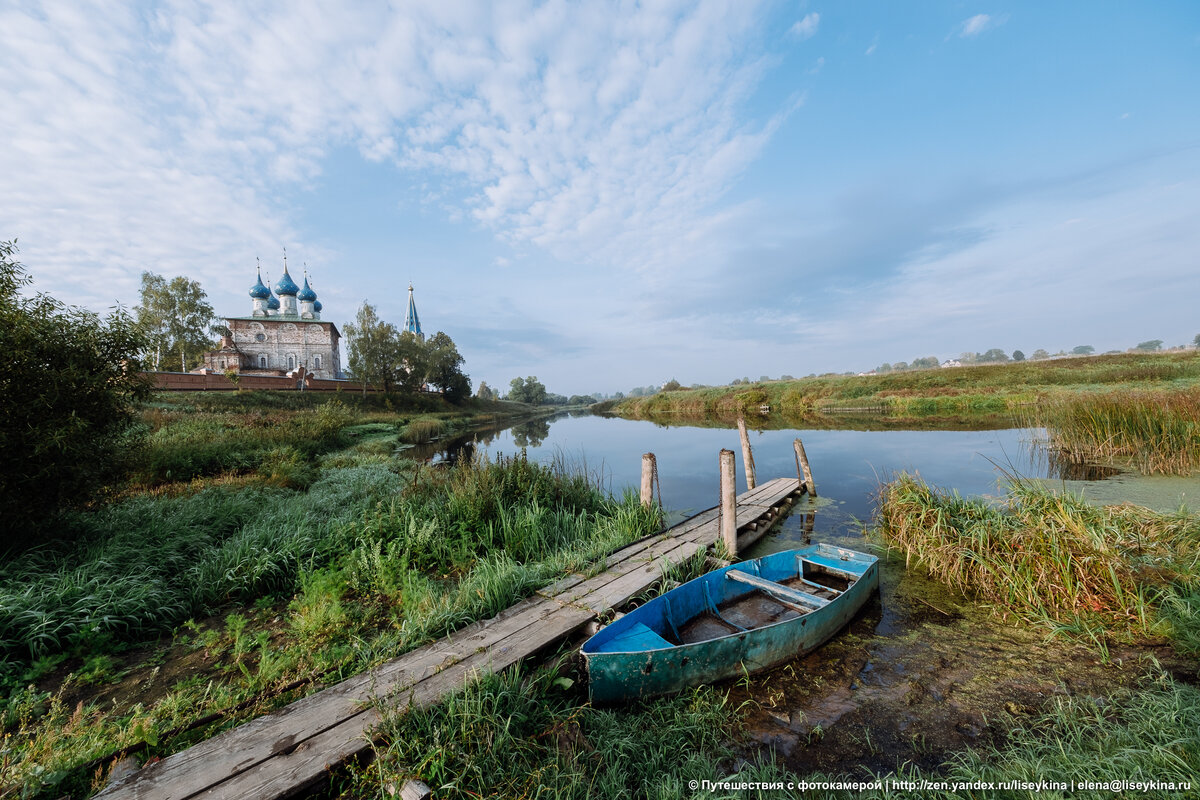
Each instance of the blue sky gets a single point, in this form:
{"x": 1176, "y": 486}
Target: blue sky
{"x": 609, "y": 195}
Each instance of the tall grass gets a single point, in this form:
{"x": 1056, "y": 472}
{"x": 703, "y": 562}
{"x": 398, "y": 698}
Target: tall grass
{"x": 422, "y": 430}
{"x": 524, "y": 734}
{"x": 146, "y": 564}
{"x": 1157, "y": 431}
{"x": 1050, "y": 556}
{"x": 187, "y": 445}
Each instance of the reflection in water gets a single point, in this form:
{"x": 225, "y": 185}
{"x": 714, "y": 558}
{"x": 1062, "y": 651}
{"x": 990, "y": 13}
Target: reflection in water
{"x": 531, "y": 433}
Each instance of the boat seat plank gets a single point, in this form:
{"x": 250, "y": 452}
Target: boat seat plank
{"x": 777, "y": 589}
{"x": 832, "y": 568}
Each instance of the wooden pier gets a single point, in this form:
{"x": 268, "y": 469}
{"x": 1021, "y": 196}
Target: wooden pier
{"x": 281, "y": 754}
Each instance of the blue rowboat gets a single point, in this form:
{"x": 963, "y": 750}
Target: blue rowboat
{"x": 741, "y": 618}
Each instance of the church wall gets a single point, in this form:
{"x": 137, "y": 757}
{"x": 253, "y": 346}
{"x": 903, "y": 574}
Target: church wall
{"x": 268, "y": 343}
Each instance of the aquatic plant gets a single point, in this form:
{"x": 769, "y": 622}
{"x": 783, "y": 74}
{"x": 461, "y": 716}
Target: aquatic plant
{"x": 1047, "y": 555}
{"x": 1159, "y": 431}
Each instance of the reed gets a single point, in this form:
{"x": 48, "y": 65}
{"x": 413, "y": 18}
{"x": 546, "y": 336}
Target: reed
{"x": 1159, "y": 432}
{"x": 422, "y": 430}
{"x": 1050, "y": 556}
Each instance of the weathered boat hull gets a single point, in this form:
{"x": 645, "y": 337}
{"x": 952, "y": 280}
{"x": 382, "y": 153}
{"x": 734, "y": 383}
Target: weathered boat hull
{"x": 647, "y": 652}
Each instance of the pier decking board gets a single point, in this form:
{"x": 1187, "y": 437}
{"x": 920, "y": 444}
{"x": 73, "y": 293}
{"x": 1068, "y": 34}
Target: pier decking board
{"x": 287, "y": 751}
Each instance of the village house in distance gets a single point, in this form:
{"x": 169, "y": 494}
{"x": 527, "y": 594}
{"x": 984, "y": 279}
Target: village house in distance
{"x": 283, "y": 333}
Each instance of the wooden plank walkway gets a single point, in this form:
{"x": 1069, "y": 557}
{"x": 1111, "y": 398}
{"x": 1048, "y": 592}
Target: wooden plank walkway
{"x": 283, "y": 753}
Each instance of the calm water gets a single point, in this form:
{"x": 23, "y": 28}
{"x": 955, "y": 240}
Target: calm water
{"x": 847, "y": 465}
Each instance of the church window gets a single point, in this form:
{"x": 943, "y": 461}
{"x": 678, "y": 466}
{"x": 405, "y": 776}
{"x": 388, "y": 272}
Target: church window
{"x": 262, "y": 361}
{"x": 316, "y": 362}
{"x": 291, "y": 363}
{"x": 260, "y": 337}
{"x": 222, "y": 363}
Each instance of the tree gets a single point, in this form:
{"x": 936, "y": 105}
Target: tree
{"x": 993, "y": 356}
{"x": 924, "y": 363}
{"x": 1150, "y": 346}
{"x": 407, "y": 361}
{"x": 176, "y": 317}
{"x": 67, "y": 396}
{"x": 672, "y": 386}
{"x": 1018, "y": 355}
{"x": 372, "y": 349}
{"x": 1083, "y": 350}
{"x": 1040, "y": 355}
{"x": 443, "y": 367}
{"x": 485, "y": 392}
{"x": 529, "y": 390}
{"x": 1196, "y": 341}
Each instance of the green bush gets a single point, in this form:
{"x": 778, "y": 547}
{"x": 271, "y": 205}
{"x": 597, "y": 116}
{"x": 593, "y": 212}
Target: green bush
{"x": 67, "y": 395}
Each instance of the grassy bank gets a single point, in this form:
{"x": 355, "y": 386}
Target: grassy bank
{"x": 280, "y": 436}
{"x": 172, "y": 612}
{"x": 972, "y": 390}
{"x": 1121, "y": 571}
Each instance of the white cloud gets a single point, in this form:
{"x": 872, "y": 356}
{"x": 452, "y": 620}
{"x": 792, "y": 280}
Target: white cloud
{"x": 979, "y": 23}
{"x": 177, "y": 135}
{"x": 806, "y": 28}
{"x": 872, "y": 46}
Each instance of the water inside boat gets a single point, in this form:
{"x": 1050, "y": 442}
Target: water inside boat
{"x": 759, "y": 608}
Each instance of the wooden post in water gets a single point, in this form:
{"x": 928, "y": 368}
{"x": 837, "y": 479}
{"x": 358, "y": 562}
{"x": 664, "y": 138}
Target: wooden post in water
{"x": 747, "y": 455}
{"x": 728, "y": 503}
{"x": 647, "y": 479}
{"x": 802, "y": 470}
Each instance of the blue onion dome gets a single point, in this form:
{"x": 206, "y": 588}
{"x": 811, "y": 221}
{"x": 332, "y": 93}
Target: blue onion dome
{"x": 286, "y": 285}
{"x": 317, "y": 306}
{"x": 259, "y": 291}
{"x": 273, "y": 303}
{"x": 307, "y": 295}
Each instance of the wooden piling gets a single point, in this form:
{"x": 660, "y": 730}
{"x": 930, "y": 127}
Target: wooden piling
{"x": 648, "y": 467}
{"x": 747, "y": 454}
{"x": 802, "y": 470}
{"x": 728, "y": 503}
